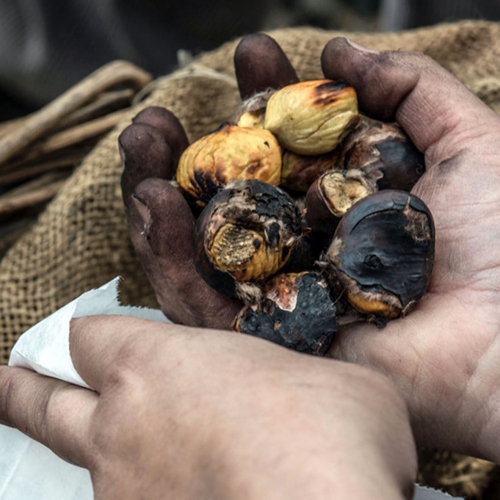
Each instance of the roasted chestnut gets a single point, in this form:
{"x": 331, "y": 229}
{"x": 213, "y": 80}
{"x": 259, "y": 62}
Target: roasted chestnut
{"x": 296, "y": 311}
{"x": 310, "y": 117}
{"x": 245, "y": 234}
{"x": 383, "y": 152}
{"x": 298, "y": 172}
{"x": 372, "y": 156}
{"x": 332, "y": 195}
{"x": 382, "y": 254}
{"x": 229, "y": 153}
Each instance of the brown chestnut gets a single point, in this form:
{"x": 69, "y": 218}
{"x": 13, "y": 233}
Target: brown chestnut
{"x": 382, "y": 254}
{"x": 383, "y": 152}
{"x": 245, "y": 234}
{"x": 296, "y": 311}
{"x": 298, "y": 172}
{"x": 332, "y": 195}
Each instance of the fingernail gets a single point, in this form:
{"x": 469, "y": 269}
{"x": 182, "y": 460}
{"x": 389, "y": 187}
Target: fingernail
{"x": 359, "y": 47}
{"x": 144, "y": 214}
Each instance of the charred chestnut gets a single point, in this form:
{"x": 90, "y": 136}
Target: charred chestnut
{"x": 383, "y": 152}
{"x": 296, "y": 311}
{"x": 245, "y": 234}
{"x": 227, "y": 154}
{"x": 382, "y": 254}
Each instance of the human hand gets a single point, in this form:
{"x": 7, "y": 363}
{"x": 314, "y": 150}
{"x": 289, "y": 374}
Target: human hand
{"x": 443, "y": 356}
{"x": 160, "y": 222}
{"x": 195, "y": 413}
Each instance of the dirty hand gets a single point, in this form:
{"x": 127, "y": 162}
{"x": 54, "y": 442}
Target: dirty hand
{"x": 160, "y": 222}
{"x": 190, "y": 413}
{"x": 443, "y": 355}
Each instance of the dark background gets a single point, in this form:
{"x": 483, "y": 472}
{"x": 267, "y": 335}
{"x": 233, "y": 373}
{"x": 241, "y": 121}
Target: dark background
{"x": 46, "y": 46}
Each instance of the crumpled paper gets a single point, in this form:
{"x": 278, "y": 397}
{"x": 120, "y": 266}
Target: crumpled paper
{"x": 29, "y": 470}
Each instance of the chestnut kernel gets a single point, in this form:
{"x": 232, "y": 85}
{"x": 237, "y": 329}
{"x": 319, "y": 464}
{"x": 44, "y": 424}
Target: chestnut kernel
{"x": 245, "y": 234}
{"x": 310, "y": 117}
{"x": 382, "y": 253}
{"x": 296, "y": 311}
{"x": 227, "y": 154}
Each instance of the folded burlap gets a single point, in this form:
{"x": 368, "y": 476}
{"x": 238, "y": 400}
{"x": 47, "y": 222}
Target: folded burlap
{"x": 81, "y": 239}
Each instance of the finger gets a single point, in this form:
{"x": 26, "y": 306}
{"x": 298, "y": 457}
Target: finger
{"x": 55, "y": 413}
{"x": 427, "y": 100}
{"x": 144, "y": 154}
{"x": 260, "y": 64}
{"x": 168, "y": 125}
{"x": 163, "y": 236}
{"x": 104, "y": 347}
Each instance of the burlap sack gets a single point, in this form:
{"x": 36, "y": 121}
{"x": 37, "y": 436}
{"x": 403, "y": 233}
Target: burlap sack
{"x": 81, "y": 239}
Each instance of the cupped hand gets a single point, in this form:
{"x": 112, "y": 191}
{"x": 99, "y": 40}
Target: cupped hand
{"x": 191, "y": 413}
{"x": 444, "y": 354}
{"x": 160, "y": 222}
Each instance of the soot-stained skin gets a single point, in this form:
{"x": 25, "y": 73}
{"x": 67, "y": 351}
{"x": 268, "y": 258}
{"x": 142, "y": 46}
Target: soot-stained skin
{"x": 385, "y": 246}
{"x": 253, "y": 205}
{"x": 260, "y": 64}
{"x": 308, "y": 326}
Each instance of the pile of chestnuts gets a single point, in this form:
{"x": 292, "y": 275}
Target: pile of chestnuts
{"x": 303, "y": 211}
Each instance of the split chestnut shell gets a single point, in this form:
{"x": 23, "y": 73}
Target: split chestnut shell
{"x": 331, "y": 196}
{"x": 296, "y": 311}
{"x": 245, "y": 234}
{"x": 383, "y": 152}
{"x": 382, "y": 253}
{"x": 229, "y": 153}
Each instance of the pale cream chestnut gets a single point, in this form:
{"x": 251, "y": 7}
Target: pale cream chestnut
{"x": 310, "y": 117}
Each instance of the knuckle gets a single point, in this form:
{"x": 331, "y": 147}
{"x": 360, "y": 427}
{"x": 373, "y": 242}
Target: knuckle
{"x": 42, "y": 411}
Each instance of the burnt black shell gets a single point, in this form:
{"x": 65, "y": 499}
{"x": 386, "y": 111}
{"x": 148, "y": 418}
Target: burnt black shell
{"x": 271, "y": 202}
{"x": 309, "y": 328}
{"x": 382, "y": 250}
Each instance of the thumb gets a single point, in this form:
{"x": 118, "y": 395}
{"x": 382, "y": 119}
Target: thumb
{"x": 433, "y": 107}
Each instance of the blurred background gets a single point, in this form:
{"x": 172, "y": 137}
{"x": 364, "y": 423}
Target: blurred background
{"x": 46, "y": 46}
